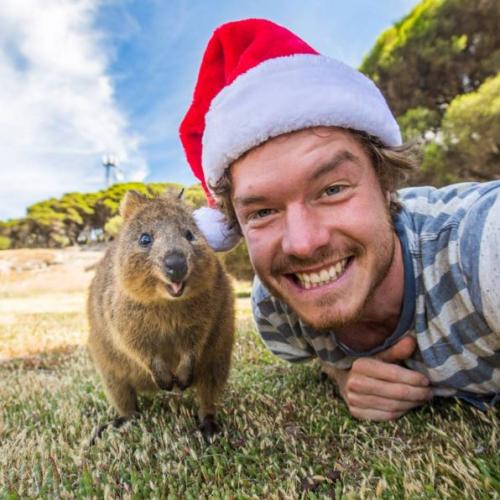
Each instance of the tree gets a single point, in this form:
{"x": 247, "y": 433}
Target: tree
{"x": 441, "y": 49}
{"x": 471, "y": 132}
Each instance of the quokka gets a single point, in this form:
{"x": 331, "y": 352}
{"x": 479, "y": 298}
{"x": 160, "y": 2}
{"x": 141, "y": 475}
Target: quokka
{"x": 161, "y": 310}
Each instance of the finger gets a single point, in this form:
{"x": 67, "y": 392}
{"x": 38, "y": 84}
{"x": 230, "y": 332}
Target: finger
{"x": 367, "y": 402}
{"x": 375, "y": 415}
{"x": 399, "y": 391}
{"x": 389, "y": 372}
{"x": 401, "y": 350}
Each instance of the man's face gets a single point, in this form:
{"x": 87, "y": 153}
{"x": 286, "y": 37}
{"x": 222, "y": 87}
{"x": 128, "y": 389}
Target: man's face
{"x": 316, "y": 223}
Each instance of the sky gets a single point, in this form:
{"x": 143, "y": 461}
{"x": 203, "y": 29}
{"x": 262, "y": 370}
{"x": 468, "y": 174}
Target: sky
{"x": 80, "y": 79}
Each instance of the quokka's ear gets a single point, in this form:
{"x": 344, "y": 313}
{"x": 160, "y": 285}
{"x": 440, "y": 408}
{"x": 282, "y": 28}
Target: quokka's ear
{"x": 130, "y": 203}
{"x": 180, "y": 196}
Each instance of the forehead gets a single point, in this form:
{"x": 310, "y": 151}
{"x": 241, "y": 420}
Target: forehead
{"x": 160, "y": 212}
{"x": 293, "y": 155}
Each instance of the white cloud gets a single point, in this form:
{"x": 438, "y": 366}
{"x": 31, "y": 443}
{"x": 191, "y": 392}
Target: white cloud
{"x": 57, "y": 111}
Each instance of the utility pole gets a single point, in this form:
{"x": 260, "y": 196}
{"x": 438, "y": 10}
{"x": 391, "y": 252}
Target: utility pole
{"x": 109, "y": 162}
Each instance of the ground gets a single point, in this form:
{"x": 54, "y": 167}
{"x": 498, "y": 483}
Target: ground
{"x": 286, "y": 433}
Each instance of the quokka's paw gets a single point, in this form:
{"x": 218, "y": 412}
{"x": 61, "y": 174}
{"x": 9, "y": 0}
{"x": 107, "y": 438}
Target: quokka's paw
{"x": 183, "y": 384}
{"x": 162, "y": 376}
{"x": 209, "y": 427}
{"x": 165, "y": 384}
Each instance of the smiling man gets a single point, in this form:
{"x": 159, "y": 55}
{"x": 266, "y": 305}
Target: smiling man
{"x": 396, "y": 293}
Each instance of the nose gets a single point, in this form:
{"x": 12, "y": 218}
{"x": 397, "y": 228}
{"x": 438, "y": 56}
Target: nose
{"x": 304, "y": 232}
{"x": 176, "y": 266}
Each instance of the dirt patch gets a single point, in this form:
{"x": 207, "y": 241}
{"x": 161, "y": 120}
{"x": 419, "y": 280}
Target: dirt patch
{"x": 25, "y": 272}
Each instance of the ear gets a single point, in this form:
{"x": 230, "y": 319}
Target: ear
{"x": 130, "y": 203}
{"x": 180, "y": 196}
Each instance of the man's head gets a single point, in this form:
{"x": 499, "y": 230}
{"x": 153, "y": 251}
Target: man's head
{"x": 269, "y": 117}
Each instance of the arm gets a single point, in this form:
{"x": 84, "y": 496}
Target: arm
{"x": 376, "y": 388}
{"x": 480, "y": 255}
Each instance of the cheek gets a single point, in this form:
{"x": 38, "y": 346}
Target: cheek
{"x": 260, "y": 247}
{"x": 366, "y": 219}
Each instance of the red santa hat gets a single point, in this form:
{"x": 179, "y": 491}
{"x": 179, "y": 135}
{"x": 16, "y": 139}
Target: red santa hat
{"x": 258, "y": 80}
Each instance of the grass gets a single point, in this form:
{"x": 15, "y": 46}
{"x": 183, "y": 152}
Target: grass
{"x": 286, "y": 433}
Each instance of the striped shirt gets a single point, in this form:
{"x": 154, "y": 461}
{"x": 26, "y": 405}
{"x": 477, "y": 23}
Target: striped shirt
{"x": 450, "y": 239}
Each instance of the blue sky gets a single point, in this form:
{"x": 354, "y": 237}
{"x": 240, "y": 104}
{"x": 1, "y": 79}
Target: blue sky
{"x": 82, "y": 78}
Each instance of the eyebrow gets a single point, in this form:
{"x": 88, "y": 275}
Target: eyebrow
{"x": 338, "y": 159}
{"x": 328, "y": 167}
{"x": 246, "y": 201}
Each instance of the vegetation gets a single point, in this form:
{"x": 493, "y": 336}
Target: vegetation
{"x": 78, "y": 217}
{"x": 439, "y": 69}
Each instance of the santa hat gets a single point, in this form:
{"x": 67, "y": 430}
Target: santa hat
{"x": 258, "y": 80}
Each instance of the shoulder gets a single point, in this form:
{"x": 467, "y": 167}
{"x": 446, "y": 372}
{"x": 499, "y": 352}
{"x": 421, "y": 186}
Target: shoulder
{"x": 429, "y": 210}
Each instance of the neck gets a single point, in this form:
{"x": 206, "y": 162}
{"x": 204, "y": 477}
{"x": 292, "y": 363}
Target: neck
{"x": 381, "y": 312}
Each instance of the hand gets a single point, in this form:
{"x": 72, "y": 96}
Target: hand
{"x": 376, "y": 388}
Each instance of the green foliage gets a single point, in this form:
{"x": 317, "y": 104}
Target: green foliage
{"x": 112, "y": 227}
{"x": 195, "y": 196}
{"x": 417, "y": 121}
{"x": 5, "y": 243}
{"x": 434, "y": 169}
{"x": 471, "y": 129}
{"x": 237, "y": 262}
{"x": 469, "y": 147}
{"x": 438, "y": 69}
{"x": 442, "y": 48}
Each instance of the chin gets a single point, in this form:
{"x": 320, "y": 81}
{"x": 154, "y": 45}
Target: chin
{"x": 325, "y": 319}
{"x": 323, "y": 313}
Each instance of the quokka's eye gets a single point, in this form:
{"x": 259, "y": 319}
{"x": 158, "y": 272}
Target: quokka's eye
{"x": 145, "y": 240}
{"x": 189, "y": 235}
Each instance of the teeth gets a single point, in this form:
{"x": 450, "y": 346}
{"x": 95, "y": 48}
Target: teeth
{"x": 312, "y": 280}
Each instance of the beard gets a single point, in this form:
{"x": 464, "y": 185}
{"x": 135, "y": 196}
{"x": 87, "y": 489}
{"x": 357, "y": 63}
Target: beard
{"x": 283, "y": 264}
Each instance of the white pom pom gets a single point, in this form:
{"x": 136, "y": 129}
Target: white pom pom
{"x": 211, "y": 223}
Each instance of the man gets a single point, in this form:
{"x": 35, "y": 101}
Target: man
{"x": 304, "y": 156}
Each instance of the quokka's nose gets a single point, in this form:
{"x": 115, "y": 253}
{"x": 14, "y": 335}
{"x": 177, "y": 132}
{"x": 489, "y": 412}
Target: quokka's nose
{"x": 176, "y": 266}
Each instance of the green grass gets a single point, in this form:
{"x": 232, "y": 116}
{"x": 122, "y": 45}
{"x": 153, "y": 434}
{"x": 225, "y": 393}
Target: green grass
{"x": 286, "y": 434}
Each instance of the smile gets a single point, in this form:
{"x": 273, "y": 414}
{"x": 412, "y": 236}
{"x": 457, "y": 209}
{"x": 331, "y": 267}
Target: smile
{"x": 323, "y": 277}
{"x": 175, "y": 289}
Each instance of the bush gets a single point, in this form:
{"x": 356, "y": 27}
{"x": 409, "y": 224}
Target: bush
{"x": 237, "y": 262}
{"x": 5, "y": 243}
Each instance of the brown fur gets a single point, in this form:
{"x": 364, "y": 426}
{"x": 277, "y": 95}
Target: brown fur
{"x": 141, "y": 337}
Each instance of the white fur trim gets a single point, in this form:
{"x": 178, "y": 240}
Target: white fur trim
{"x": 286, "y": 94}
{"x": 211, "y": 222}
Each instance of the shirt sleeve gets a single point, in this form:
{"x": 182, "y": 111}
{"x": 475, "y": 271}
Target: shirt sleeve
{"x": 480, "y": 255}
{"x": 277, "y": 327}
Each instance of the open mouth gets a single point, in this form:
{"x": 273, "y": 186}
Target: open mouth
{"x": 176, "y": 288}
{"x": 327, "y": 275}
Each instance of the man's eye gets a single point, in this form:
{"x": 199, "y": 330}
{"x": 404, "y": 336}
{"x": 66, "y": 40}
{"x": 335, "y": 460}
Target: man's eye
{"x": 260, "y": 214}
{"x": 332, "y": 190}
